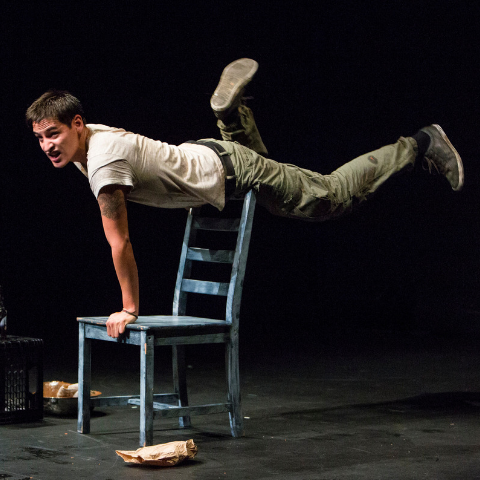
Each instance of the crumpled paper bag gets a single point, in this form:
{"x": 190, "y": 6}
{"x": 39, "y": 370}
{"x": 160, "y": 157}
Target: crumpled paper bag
{"x": 163, "y": 455}
{"x": 68, "y": 391}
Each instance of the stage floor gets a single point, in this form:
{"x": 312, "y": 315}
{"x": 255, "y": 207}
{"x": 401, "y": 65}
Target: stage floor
{"x": 381, "y": 407}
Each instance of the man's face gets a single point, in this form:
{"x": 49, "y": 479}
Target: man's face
{"x": 60, "y": 142}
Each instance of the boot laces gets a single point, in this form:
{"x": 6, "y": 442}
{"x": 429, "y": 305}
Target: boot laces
{"x": 430, "y": 165}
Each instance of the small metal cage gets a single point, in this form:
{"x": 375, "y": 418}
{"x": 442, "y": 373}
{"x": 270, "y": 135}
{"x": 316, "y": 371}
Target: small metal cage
{"x": 21, "y": 379}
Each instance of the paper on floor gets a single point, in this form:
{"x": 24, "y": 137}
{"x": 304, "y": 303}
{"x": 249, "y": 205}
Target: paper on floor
{"x": 163, "y": 455}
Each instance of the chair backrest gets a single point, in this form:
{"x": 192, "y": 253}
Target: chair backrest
{"x": 218, "y": 224}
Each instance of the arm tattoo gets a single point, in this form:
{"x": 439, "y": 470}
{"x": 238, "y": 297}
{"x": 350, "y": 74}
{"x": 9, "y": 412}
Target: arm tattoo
{"x": 111, "y": 204}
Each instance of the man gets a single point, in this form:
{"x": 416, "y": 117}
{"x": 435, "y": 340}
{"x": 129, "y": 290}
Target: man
{"x": 121, "y": 165}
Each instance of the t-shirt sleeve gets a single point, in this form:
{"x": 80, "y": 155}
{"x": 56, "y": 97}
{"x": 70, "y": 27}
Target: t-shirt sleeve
{"x": 118, "y": 172}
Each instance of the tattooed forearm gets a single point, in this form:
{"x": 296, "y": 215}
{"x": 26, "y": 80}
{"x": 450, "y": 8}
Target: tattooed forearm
{"x": 111, "y": 203}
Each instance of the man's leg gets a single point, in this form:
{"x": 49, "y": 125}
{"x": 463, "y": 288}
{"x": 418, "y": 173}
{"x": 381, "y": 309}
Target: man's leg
{"x": 235, "y": 119}
{"x": 241, "y": 128}
{"x": 291, "y": 191}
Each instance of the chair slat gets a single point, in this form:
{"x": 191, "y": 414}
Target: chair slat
{"x": 217, "y": 224}
{"x": 193, "y": 410}
{"x": 207, "y": 288}
{"x": 127, "y": 399}
{"x": 166, "y": 410}
{"x": 207, "y": 255}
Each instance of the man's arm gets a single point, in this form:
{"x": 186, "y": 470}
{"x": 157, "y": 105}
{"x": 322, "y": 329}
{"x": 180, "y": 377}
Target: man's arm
{"x": 112, "y": 202}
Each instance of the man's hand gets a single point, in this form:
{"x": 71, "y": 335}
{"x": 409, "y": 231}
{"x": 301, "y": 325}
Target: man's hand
{"x": 117, "y": 321}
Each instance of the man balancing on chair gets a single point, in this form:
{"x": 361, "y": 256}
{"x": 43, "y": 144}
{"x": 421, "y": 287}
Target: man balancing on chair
{"x": 124, "y": 166}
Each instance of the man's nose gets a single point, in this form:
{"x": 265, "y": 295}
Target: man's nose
{"x": 47, "y": 145}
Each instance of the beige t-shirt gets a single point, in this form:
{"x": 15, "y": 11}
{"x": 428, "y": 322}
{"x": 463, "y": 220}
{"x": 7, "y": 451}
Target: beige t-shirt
{"x": 161, "y": 175}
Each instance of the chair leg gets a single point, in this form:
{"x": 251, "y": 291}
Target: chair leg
{"x": 233, "y": 386}
{"x": 146, "y": 389}
{"x": 180, "y": 381}
{"x": 84, "y": 380}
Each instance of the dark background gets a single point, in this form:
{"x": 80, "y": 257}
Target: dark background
{"x": 336, "y": 80}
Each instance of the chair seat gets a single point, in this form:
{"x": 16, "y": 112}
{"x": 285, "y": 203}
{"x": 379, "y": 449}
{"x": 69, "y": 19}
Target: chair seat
{"x": 168, "y": 325}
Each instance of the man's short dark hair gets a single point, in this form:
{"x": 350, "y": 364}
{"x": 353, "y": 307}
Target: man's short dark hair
{"x": 57, "y": 104}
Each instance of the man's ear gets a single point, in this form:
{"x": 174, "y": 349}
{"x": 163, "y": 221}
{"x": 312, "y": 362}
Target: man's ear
{"x": 77, "y": 123}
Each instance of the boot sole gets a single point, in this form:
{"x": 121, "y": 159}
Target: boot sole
{"x": 457, "y": 156}
{"x": 233, "y": 80}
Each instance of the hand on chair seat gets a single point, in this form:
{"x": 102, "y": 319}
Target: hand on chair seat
{"x": 117, "y": 321}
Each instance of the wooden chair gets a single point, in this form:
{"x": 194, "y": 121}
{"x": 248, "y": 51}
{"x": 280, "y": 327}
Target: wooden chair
{"x": 179, "y": 330}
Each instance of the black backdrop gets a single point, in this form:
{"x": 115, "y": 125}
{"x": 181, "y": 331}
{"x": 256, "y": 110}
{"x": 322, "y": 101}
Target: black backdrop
{"x": 336, "y": 79}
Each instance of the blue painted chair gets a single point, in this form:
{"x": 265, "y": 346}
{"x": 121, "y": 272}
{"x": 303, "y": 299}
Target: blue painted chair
{"x": 179, "y": 330}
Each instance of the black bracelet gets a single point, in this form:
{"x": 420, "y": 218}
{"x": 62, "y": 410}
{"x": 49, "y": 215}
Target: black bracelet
{"x": 130, "y": 313}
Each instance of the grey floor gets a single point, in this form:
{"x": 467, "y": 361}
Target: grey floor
{"x": 381, "y": 406}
